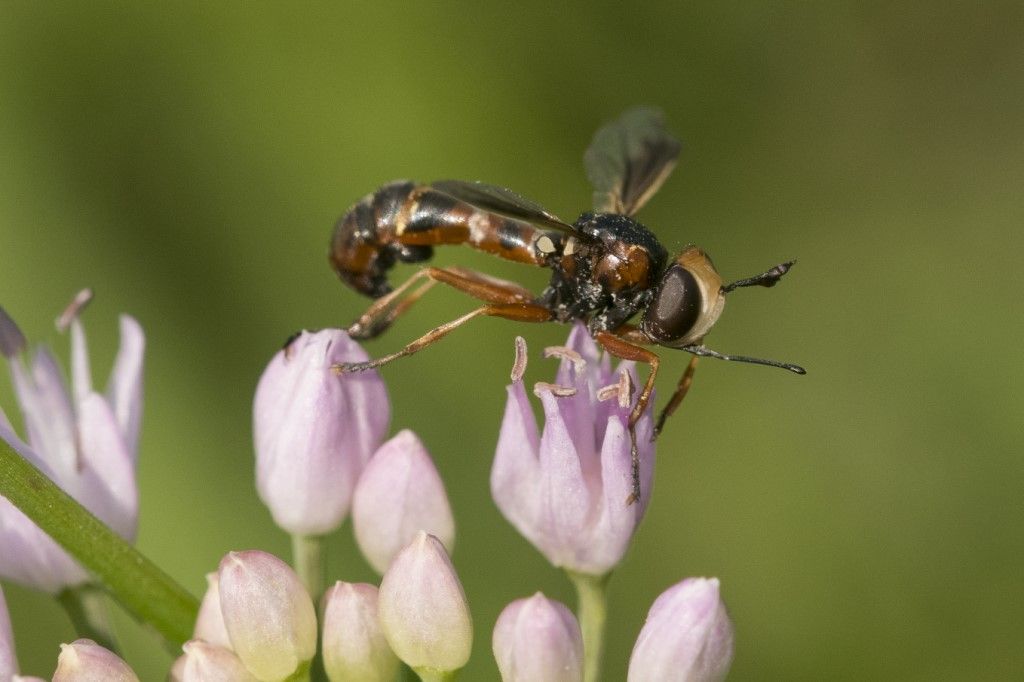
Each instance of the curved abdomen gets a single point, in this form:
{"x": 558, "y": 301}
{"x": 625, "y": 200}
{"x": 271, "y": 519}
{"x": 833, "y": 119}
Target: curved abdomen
{"x": 403, "y": 221}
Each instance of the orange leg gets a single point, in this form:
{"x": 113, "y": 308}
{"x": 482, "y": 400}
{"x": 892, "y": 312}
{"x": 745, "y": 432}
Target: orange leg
{"x": 626, "y": 350}
{"x": 384, "y": 311}
{"x": 677, "y": 397}
{"x": 520, "y": 312}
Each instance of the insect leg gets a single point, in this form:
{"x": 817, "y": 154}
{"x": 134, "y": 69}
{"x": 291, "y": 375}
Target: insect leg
{"x": 379, "y": 316}
{"x": 677, "y": 397}
{"x": 520, "y": 312}
{"x": 384, "y": 311}
{"x": 768, "y": 278}
{"x": 629, "y": 351}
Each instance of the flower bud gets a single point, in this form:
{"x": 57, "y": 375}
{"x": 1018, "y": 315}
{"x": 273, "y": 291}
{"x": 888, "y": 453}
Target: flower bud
{"x": 205, "y": 662}
{"x": 566, "y": 489}
{"x": 210, "y": 622}
{"x": 423, "y": 610}
{"x": 538, "y": 640}
{"x": 177, "y": 671}
{"x": 314, "y": 430}
{"x": 354, "y": 648}
{"x": 86, "y": 661}
{"x": 399, "y": 493}
{"x": 268, "y": 614}
{"x": 687, "y": 636}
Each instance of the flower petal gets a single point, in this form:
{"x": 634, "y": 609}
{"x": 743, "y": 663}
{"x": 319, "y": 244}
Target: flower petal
{"x": 563, "y": 490}
{"x": 205, "y": 662}
{"x": 106, "y": 484}
{"x": 48, "y": 414}
{"x": 30, "y": 557}
{"x": 210, "y": 621}
{"x": 124, "y": 388}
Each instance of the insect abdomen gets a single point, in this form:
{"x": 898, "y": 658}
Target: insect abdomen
{"x": 402, "y": 221}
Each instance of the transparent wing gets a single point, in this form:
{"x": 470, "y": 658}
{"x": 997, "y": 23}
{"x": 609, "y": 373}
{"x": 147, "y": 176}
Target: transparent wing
{"x": 503, "y": 201}
{"x": 629, "y": 159}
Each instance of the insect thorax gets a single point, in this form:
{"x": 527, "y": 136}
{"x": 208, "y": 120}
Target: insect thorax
{"x": 605, "y": 276}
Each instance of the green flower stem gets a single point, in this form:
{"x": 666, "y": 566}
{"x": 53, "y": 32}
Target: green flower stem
{"x": 145, "y": 591}
{"x": 88, "y": 613}
{"x": 592, "y": 612}
{"x": 432, "y": 675}
{"x": 308, "y": 562}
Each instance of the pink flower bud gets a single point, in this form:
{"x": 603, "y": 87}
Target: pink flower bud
{"x": 206, "y": 662}
{"x": 399, "y": 493}
{"x": 687, "y": 636}
{"x": 314, "y": 430}
{"x": 538, "y": 640}
{"x": 566, "y": 490}
{"x": 86, "y": 661}
{"x": 84, "y": 441}
{"x": 210, "y": 621}
{"x": 177, "y": 671}
{"x": 8, "y": 657}
{"x": 354, "y": 648}
{"x": 268, "y": 614}
{"x": 423, "y": 610}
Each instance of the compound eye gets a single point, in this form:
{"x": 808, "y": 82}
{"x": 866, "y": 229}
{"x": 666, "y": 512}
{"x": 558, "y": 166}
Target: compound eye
{"x": 676, "y": 306}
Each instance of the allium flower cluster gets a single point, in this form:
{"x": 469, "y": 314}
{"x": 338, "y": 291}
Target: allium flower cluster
{"x": 320, "y": 453}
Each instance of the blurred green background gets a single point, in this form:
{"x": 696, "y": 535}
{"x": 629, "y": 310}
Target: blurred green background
{"x": 188, "y": 161}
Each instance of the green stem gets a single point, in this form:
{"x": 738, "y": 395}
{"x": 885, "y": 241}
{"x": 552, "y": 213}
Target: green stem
{"x": 145, "y": 591}
{"x": 432, "y": 675}
{"x": 89, "y": 616}
{"x": 308, "y": 561}
{"x": 592, "y": 612}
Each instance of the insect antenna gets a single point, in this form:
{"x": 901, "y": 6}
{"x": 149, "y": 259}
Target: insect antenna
{"x": 704, "y": 351}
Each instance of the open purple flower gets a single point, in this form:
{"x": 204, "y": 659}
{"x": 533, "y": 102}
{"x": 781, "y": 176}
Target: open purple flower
{"x": 315, "y": 430}
{"x": 567, "y": 489}
{"x": 85, "y": 441}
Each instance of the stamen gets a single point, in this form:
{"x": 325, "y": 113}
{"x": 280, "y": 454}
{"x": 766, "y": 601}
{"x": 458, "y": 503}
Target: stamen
{"x": 519, "y": 366}
{"x": 566, "y": 353}
{"x": 12, "y": 341}
{"x": 74, "y": 309}
{"x": 554, "y": 389}
{"x": 623, "y": 389}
